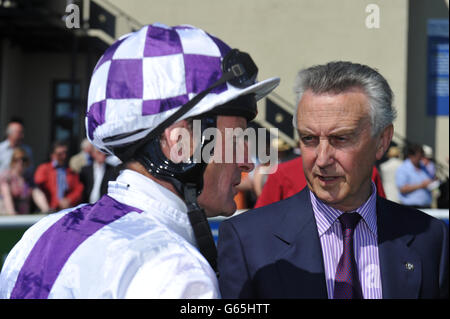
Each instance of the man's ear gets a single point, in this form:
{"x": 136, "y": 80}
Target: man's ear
{"x": 384, "y": 141}
{"x": 176, "y": 142}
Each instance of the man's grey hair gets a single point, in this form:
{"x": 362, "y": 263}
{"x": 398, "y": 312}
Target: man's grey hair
{"x": 340, "y": 76}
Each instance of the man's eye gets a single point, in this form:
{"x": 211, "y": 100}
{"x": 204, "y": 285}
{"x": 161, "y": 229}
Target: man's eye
{"x": 340, "y": 139}
{"x": 307, "y": 139}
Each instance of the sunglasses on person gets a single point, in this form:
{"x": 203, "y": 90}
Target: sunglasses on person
{"x": 238, "y": 69}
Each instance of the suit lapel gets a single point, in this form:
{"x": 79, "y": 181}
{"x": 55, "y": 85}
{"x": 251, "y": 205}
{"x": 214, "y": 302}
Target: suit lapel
{"x": 300, "y": 265}
{"x": 400, "y": 266}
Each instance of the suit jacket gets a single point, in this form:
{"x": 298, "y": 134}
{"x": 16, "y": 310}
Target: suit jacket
{"x": 87, "y": 178}
{"x": 275, "y": 252}
{"x": 46, "y": 178}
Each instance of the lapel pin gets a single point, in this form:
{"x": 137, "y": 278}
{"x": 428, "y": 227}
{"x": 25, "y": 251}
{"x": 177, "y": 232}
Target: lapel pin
{"x": 409, "y": 266}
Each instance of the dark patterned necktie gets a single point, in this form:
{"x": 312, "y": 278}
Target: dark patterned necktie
{"x": 346, "y": 281}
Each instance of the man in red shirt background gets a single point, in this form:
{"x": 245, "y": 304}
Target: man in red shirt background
{"x": 61, "y": 185}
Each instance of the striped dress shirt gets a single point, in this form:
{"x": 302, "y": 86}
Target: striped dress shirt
{"x": 365, "y": 244}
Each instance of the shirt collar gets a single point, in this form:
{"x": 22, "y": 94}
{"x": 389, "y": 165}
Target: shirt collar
{"x": 156, "y": 201}
{"x": 57, "y": 166}
{"x": 98, "y": 166}
{"x": 409, "y": 164}
{"x": 9, "y": 146}
{"x": 326, "y": 216}
{"x": 138, "y": 183}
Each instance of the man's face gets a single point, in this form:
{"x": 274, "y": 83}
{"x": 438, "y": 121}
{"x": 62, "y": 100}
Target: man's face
{"x": 15, "y": 133}
{"x": 60, "y": 155}
{"x": 220, "y": 178}
{"x": 337, "y": 147}
{"x": 415, "y": 158}
{"x": 98, "y": 156}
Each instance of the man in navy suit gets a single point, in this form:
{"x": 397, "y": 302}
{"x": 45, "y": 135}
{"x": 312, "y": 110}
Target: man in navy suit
{"x": 95, "y": 177}
{"x": 336, "y": 238}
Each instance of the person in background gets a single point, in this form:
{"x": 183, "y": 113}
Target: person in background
{"x": 442, "y": 200}
{"x": 428, "y": 162}
{"x": 16, "y": 192}
{"x": 388, "y": 170}
{"x": 413, "y": 180}
{"x": 95, "y": 177}
{"x": 59, "y": 183}
{"x": 15, "y": 133}
{"x": 336, "y": 238}
{"x": 83, "y": 158}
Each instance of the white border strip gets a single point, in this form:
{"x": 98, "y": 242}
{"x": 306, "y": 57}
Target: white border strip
{"x": 437, "y": 213}
{"x": 28, "y": 220}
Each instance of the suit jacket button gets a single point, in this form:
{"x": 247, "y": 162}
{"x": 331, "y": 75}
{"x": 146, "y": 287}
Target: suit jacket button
{"x": 409, "y": 266}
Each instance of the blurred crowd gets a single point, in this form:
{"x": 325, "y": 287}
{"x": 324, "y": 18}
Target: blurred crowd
{"x": 65, "y": 181}
{"x": 59, "y": 183}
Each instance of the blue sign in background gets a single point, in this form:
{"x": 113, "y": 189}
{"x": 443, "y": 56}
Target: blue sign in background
{"x": 437, "y": 91}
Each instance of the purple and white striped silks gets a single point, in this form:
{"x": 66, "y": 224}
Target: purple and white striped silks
{"x": 56, "y": 245}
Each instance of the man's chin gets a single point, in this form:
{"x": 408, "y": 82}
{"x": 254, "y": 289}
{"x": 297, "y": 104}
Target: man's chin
{"x": 326, "y": 196}
{"x": 225, "y": 211}
{"x": 336, "y": 202}
{"x": 229, "y": 212}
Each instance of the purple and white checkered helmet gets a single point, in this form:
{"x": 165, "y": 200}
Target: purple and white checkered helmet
{"x": 147, "y": 75}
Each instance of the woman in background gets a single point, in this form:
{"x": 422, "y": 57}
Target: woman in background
{"x": 15, "y": 191}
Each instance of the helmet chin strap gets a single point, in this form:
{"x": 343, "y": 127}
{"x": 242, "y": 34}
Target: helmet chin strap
{"x": 200, "y": 226}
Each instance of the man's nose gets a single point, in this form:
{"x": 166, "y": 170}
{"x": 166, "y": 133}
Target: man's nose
{"x": 247, "y": 166}
{"x": 324, "y": 153}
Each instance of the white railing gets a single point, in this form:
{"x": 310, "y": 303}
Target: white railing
{"x": 19, "y": 221}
